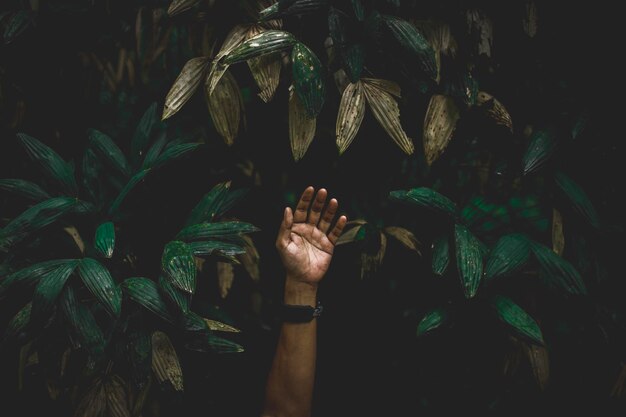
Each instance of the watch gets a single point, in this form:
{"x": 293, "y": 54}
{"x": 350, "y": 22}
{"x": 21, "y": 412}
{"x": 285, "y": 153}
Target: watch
{"x": 299, "y": 314}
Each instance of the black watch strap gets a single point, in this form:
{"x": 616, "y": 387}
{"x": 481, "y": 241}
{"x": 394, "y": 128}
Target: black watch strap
{"x": 299, "y": 314}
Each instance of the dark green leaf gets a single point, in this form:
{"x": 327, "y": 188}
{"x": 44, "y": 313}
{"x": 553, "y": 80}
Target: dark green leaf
{"x": 231, "y": 199}
{"x": 25, "y": 189}
{"x": 203, "y": 248}
{"x": 16, "y": 25}
{"x": 30, "y": 275}
{"x": 291, "y": 7}
{"x": 425, "y": 197}
{"x": 51, "y": 163}
{"x": 308, "y": 78}
{"x": 513, "y": 315}
{"x": 413, "y": 42}
{"x": 139, "y": 353}
{"x": 345, "y": 44}
{"x": 558, "y": 272}
{"x": 100, "y": 282}
{"x": 464, "y": 87}
{"x": 108, "y": 150}
{"x": 18, "y": 323}
{"x": 215, "y": 230}
{"x": 49, "y": 287}
{"x": 154, "y": 151}
{"x": 441, "y": 255}
{"x": 146, "y": 293}
{"x": 178, "y": 297}
{"x": 91, "y": 179}
{"x": 104, "y": 242}
{"x": 264, "y": 43}
{"x": 508, "y": 256}
{"x": 540, "y": 148}
{"x": 579, "y": 198}
{"x": 359, "y": 10}
{"x": 194, "y": 323}
{"x": 179, "y": 265}
{"x": 209, "y": 206}
{"x": 482, "y": 215}
{"x": 82, "y": 322}
{"x": 221, "y": 345}
{"x": 135, "y": 179}
{"x": 469, "y": 260}
{"x": 172, "y": 153}
{"x": 432, "y": 320}
{"x": 142, "y": 133}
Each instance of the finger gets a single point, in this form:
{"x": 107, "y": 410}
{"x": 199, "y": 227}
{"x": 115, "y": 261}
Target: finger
{"x": 317, "y": 206}
{"x": 285, "y": 228}
{"x": 303, "y": 205}
{"x": 336, "y": 232}
{"x": 328, "y": 216}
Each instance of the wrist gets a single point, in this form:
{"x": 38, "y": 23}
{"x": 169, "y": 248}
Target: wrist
{"x": 300, "y": 293}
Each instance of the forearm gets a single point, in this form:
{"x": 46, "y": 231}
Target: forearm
{"x": 290, "y": 383}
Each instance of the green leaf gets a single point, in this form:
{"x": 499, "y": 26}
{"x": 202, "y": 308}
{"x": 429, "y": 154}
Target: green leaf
{"x": 359, "y": 10}
{"x": 107, "y": 149}
{"x": 49, "y": 287}
{"x": 104, "y": 242}
{"x": 221, "y": 345}
{"x": 154, "y": 151}
{"x": 432, "y": 320}
{"x": 540, "y": 148}
{"x": 469, "y": 260}
{"x": 174, "y": 152}
{"x": 143, "y": 132}
{"x": 284, "y": 8}
{"x": 413, "y": 42}
{"x": 179, "y": 265}
{"x": 462, "y": 86}
{"x": 135, "y": 179}
{"x": 579, "y": 198}
{"x": 308, "y": 78}
{"x": 16, "y": 25}
{"x": 178, "y": 297}
{"x": 230, "y": 200}
{"x": 100, "y": 282}
{"x": 349, "y": 50}
{"x": 146, "y": 293}
{"x": 209, "y": 206}
{"x": 18, "y": 323}
{"x": 264, "y": 43}
{"x": 91, "y": 175}
{"x": 204, "y": 248}
{"x": 513, "y": 315}
{"x": 441, "y": 255}
{"x": 139, "y": 355}
{"x": 194, "y": 323}
{"x": 425, "y": 197}
{"x": 508, "y": 256}
{"x": 215, "y": 230}
{"x": 25, "y": 189}
{"x": 82, "y": 322}
{"x": 558, "y": 272}
{"x": 30, "y": 275}
{"x": 50, "y": 163}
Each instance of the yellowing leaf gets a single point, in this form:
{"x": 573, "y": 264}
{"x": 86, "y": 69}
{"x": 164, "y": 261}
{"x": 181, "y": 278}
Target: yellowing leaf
{"x": 179, "y": 6}
{"x": 391, "y": 87}
{"x": 387, "y": 112}
{"x": 350, "y": 116}
{"x": 165, "y": 362}
{"x": 218, "y": 326}
{"x": 494, "y": 109}
{"x": 539, "y": 363}
{"x": 301, "y": 126}
{"x": 439, "y": 124}
{"x": 225, "y": 277}
{"x": 404, "y": 236}
{"x": 250, "y": 259}
{"x": 371, "y": 263}
{"x": 266, "y": 72}
{"x": 234, "y": 38}
{"x": 185, "y": 85}
{"x": 225, "y": 106}
{"x": 558, "y": 239}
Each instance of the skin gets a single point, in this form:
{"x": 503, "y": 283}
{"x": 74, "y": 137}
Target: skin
{"x": 306, "y": 241}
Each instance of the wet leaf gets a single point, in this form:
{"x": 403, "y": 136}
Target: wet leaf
{"x": 508, "y": 256}
{"x": 179, "y": 6}
{"x": 540, "y": 148}
{"x": 48, "y": 289}
{"x": 301, "y": 126}
{"x": 165, "y": 362}
{"x": 104, "y": 241}
{"x": 350, "y": 116}
{"x": 413, "y": 42}
{"x": 50, "y": 163}
{"x": 513, "y": 315}
{"x": 441, "y": 255}
{"x": 405, "y": 237}
{"x": 425, "y": 197}
{"x": 432, "y": 320}
{"x": 308, "y": 79}
{"x": 226, "y": 107}
{"x": 225, "y": 277}
{"x": 25, "y": 189}
{"x": 185, "y": 85}
{"x": 100, "y": 282}
{"x": 264, "y": 43}
{"x": 215, "y": 230}
{"x": 386, "y": 111}
{"x": 557, "y": 271}
{"x": 558, "y": 240}
{"x": 179, "y": 266}
{"x": 494, "y": 110}
{"x": 146, "y": 293}
{"x": 439, "y": 125}
{"x": 469, "y": 260}
{"x": 107, "y": 149}
{"x": 579, "y": 199}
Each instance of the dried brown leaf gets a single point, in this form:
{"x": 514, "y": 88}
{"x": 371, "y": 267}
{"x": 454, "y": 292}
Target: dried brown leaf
{"x": 179, "y": 6}
{"x": 348, "y": 236}
{"x": 404, "y": 236}
{"x": 619, "y": 388}
{"x": 225, "y": 107}
{"x": 94, "y": 402}
{"x": 185, "y": 85}
{"x": 494, "y": 109}
{"x": 116, "y": 397}
{"x": 301, "y": 126}
{"x": 531, "y": 19}
{"x": 387, "y": 112}
{"x": 439, "y": 124}
{"x": 350, "y": 115}
{"x": 480, "y": 24}
{"x": 218, "y": 326}
{"x": 558, "y": 239}
{"x": 266, "y": 72}
{"x": 234, "y": 38}
{"x": 225, "y": 277}
{"x": 388, "y": 86}
{"x": 165, "y": 364}
{"x": 371, "y": 263}
{"x": 250, "y": 259}
{"x": 539, "y": 363}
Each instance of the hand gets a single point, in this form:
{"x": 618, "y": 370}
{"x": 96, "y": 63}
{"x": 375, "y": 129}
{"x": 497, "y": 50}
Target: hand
{"x": 305, "y": 239}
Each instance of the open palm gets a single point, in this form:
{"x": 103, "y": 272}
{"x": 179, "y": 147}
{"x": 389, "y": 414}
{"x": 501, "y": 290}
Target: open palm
{"x": 306, "y": 240}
